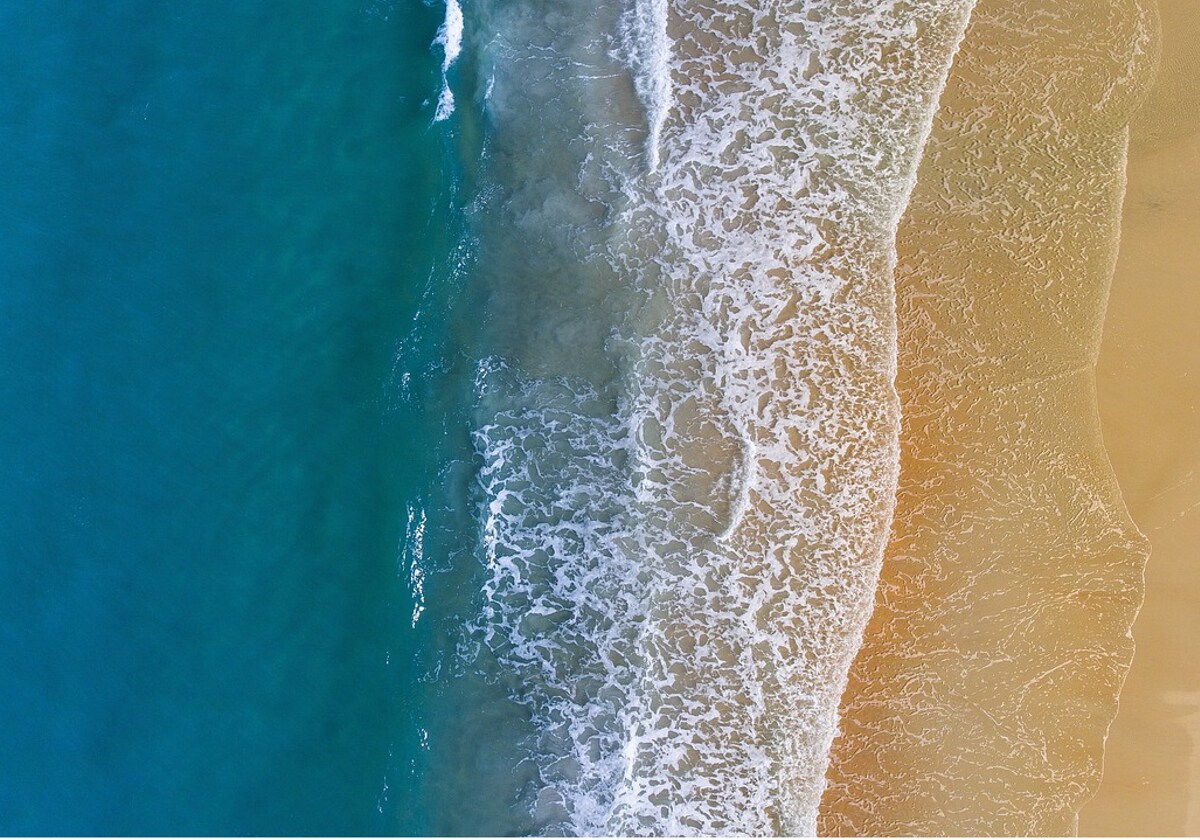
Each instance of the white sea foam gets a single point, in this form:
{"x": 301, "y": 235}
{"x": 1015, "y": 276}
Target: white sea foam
{"x": 449, "y": 37}
{"x": 680, "y": 559}
{"x": 450, "y": 34}
{"x": 445, "y": 103}
{"x": 412, "y": 549}
{"x": 647, "y": 49}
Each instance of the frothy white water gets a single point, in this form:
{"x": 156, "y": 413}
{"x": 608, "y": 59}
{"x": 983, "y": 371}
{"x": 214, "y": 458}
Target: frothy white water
{"x": 680, "y": 557}
{"x": 450, "y": 34}
{"x": 647, "y": 49}
{"x": 449, "y": 37}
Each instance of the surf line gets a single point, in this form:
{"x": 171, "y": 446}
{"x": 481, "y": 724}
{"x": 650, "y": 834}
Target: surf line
{"x": 449, "y": 38}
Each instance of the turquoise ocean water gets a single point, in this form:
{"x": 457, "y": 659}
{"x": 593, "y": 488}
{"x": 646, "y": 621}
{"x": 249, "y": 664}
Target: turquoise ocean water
{"x": 218, "y": 221}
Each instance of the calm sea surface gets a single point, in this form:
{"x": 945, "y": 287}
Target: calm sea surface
{"x": 218, "y": 221}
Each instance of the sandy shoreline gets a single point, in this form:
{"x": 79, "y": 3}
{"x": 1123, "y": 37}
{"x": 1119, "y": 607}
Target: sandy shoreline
{"x": 988, "y": 676}
{"x": 1149, "y": 389}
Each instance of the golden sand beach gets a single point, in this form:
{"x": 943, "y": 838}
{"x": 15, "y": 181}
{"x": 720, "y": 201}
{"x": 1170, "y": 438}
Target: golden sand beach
{"x": 1149, "y": 387}
{"x": 989, "y": 673}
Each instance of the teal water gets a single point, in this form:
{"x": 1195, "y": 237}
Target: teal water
{"x": 218, "y": 222}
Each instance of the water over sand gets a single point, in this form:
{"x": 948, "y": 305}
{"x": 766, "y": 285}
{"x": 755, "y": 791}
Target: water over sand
{"x": 979, "y": 701}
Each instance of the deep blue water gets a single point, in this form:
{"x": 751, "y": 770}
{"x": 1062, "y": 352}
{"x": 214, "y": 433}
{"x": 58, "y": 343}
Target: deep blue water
{"x": 218, "y": 221}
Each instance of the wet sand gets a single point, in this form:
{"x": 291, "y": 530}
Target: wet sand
{"x": 1149, "y": 388}
{"x": 988, "y": 676}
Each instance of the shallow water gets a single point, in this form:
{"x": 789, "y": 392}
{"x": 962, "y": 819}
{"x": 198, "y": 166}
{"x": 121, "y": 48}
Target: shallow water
{"x": 988, "y": 676}
{"x": 684, "y": 329}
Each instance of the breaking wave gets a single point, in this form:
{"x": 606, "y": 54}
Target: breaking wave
{"x": 449, "y": 38}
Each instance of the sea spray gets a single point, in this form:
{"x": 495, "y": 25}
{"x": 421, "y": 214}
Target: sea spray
{"x": 685, "y": 426}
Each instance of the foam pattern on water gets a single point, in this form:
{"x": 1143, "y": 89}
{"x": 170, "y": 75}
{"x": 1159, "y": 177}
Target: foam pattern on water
{"x": 449, "y": 38}
{"x": 682, "y": 528}
{"x": 646, "y": 48}
{"x": 564, "y": 603}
